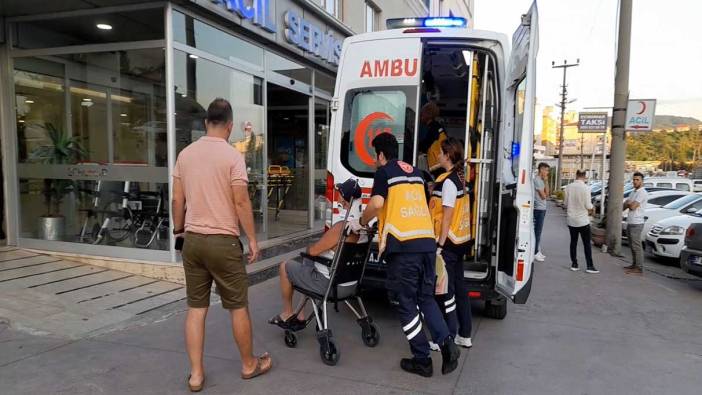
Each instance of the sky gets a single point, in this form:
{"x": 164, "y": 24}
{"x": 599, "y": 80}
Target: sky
{"x": 666, "y": 55}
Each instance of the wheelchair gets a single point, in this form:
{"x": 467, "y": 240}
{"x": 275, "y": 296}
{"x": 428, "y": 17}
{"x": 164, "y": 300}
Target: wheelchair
{"x": 346, "y": 274}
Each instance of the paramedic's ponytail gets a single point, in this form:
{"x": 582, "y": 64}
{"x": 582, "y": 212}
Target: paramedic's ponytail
{"x": 454, "y": 150}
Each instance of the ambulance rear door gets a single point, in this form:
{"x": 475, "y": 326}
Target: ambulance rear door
{"x": 377, "y": 92}
{"x": 515, "y": 234}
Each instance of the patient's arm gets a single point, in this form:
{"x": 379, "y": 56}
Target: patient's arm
{"x": 329, "y": 240}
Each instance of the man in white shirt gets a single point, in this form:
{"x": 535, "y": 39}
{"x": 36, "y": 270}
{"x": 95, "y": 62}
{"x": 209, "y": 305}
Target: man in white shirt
{"x": 579, "y": 208}
{"x": 636, "y": 203}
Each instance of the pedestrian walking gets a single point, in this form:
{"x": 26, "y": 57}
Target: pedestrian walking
{"x": 407, "y": 243}
{"x": 636, "y": 203}
{"x": 541, "y": 193}
{"x": 210, "y": 180}
{"x": 450, "y": 211}
{"x": 579, "y": 208}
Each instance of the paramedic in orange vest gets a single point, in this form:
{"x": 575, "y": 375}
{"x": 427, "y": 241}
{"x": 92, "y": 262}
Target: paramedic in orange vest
{"x": 450, "y": 211}
{"x": 434, "y": 134}
{"x": 407, "y": 243}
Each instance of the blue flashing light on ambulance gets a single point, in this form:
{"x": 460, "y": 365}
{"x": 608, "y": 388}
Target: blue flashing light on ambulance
{"x": 485, "y": 91}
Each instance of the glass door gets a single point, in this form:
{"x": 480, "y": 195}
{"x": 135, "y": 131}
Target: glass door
{"x": 322, "y": 120}
{"x": 288, "y": 161}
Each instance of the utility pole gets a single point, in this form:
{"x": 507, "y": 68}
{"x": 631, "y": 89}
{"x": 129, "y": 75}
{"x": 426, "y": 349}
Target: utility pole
{"x": 564, "y": 97}
{"x": 582, "y": 143}
{"x": 618, "y": 150}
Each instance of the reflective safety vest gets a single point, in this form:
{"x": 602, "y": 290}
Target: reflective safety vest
{"x": 459, "y": 228}
{"x": 435, "y": 149}
{"x": 404, "y": 222}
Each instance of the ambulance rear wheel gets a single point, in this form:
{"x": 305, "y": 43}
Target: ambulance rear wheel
{"x": 495, "y": 308}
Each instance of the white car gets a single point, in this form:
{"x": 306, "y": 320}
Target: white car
{"x": 658, "y": 199}
{"x": 667, "y": 237}
{"x": 697, "y": 185}
{"x": 686, "y": 204}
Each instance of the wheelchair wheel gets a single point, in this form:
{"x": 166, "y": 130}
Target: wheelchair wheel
{"x": 371, "y": 335}
{"x": 290, "y": 339}
{"x": 329, "y": 353}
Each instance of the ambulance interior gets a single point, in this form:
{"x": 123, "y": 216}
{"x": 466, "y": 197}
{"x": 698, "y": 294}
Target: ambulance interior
{"x": 461, "y": 82}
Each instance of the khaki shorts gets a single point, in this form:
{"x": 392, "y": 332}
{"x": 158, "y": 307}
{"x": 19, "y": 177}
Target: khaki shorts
{"x": 219, "y": 258}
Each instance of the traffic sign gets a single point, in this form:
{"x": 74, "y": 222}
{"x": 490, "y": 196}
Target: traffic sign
{"x": 640, "y": 114}
{"x": 592, "y": 122}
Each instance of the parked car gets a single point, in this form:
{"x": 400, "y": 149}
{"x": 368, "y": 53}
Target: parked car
{"x": 667, "y": 237}
{"x": 686, "y": 204}
{"x": 691, "y": 255}
{"x": 656, "y": 199}
{"x": 697, "y": 185}
{"x": 679, "y": 183}
{"x": 596, "y": 201}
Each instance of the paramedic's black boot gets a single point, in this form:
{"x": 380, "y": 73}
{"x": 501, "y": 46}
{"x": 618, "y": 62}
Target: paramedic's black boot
{"x": 420, "y": 366}
{"x": 449, "y": 354}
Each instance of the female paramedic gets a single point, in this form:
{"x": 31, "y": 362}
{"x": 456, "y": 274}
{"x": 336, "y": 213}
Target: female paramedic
{"x": 450, "y": 210}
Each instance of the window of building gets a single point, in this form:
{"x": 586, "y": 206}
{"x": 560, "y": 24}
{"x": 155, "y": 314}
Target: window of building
{"x": 195, "y": 33}
{"x": 90, "y": 127}
{"x": 333, "y": 7}
{"x": 371, "y": 18}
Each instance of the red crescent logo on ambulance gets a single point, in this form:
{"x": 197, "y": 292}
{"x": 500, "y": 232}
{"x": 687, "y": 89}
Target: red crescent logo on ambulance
{"x": 365, "y": 133}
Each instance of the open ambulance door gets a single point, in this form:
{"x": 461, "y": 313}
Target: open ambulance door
{"x": 515, "y": 252}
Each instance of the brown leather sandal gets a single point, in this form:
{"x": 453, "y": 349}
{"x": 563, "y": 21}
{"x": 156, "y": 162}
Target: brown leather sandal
{"x": 196, "y": 388}
{"x": 259, "y": 370}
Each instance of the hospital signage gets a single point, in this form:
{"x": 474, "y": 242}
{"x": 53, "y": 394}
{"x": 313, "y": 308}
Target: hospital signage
{"x": 256, "y": 11}
{"x": 310, "y": 38}
{"x": 640, "y": 114}
{"x": 303, "y": 32}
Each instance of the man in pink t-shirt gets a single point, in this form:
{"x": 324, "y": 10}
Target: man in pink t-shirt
{"x": 210, "y": 203}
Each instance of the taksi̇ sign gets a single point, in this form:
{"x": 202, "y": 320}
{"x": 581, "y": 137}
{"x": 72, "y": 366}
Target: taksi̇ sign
{"x": 257, "y": 11}
{"x": 309, "y": 37}
{"x": 592, "y": 122}
{"x": 640, "y": 115}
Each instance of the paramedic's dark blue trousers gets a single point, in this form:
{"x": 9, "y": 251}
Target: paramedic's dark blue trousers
{"x": 455, "y": 304}
{"x": 411, "y": 278}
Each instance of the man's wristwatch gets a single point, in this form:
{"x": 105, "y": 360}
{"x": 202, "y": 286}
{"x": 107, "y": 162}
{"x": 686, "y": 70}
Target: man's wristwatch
{"x": 178, "y": 231}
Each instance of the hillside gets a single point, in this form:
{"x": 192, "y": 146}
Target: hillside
{"x": 671, "y": 121}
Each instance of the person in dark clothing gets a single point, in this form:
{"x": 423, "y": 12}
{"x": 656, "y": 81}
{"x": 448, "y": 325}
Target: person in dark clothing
{"x": 408, "y": 245}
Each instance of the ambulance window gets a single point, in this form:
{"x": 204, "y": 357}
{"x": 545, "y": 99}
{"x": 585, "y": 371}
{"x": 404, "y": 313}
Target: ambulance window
{"x": 519, "y": 102}
{"x": 369, "y": 112}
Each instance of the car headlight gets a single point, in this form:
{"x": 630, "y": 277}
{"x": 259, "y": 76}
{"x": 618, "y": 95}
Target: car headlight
{"x": 673, "y": 230}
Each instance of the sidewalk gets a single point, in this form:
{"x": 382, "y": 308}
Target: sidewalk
{"x": 579, "y": 333}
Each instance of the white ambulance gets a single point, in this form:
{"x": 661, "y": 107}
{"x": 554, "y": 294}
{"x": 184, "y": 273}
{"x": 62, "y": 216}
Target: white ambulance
{"x": 388, "y": 82}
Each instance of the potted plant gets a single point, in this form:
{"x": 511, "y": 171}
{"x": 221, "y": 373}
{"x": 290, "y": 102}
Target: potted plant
{"x": 63, "y": 149}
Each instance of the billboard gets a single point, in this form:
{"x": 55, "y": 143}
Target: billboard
{"x": 592, "y": 122}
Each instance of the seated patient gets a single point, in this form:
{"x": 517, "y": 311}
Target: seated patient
{"x": 307, "y": 274}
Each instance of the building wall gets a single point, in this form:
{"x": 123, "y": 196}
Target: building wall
{"x": 462, "y": 8}
{"x": 353, "y": 12}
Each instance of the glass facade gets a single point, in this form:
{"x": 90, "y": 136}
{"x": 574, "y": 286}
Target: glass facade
{"x": 88, "y": 125}
{"x": 94, "y": 152}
